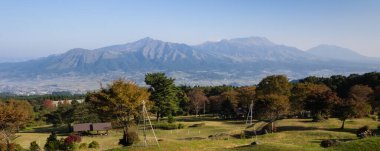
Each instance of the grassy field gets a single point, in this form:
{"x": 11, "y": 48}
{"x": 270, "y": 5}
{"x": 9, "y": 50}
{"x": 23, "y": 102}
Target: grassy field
{"x": 294, "y": 134}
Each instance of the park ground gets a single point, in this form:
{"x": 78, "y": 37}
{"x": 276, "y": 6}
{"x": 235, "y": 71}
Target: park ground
{"x": 293, "y": 134}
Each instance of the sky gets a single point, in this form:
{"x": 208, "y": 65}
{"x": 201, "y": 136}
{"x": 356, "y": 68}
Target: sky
{"x": 37, "y": 28}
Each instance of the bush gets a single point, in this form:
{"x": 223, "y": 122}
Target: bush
{"x": 93, "y": 144}
{"x": 34, "y": 146}
{"x": 129, "y": 138}
{"x": 329, "y": 143}
{"x": 364, "y": 132}
{"x": 169, "y": 126}
{"x": 72, "y": 146}
{"x": 318, "y": 118}
{"x": 72, "y": 139}
{"x": 52, "y": 143}
{"x": 181, "y": 126}
{"x": 171, "y": 119}
{"x": 83, "y": 146}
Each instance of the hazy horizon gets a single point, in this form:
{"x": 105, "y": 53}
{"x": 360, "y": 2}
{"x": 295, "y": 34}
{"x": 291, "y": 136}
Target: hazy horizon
{"x": 32, "y": 29}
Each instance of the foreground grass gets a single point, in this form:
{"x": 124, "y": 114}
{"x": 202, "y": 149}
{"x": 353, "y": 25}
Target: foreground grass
{"x": 294, "y": 134}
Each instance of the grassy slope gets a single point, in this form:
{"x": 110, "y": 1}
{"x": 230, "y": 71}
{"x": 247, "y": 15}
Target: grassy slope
{"x": 370, "y": 144}
{"x": 295, "y": 134}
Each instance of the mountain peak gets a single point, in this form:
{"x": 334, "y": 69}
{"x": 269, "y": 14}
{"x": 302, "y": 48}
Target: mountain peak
{"x": 336, "y": 52}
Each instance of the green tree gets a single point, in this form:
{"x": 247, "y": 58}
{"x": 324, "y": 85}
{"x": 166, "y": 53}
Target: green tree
{"x": 184, "y": 103}
{"x": 164, "y": 94}
{"x": 62, "y": 115}
{"x": 300, "y": 93}
{"x": 82, "y": 113}
{"x": 351, "y": 108}
{"x": 52, "y": 143}
{"x": 271, "y": 107}
{"x": 229, "y": 103}
{"x": 321, "y": 104}
{"x": 275, "y": 84}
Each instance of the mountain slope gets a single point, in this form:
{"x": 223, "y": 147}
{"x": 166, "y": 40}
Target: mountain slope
{"x": 254, "y": 49}
{"x": 240, "y": 61}
{"x": 339, "y": 53}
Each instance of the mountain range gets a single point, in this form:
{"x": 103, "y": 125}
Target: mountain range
{"x": 239, "y": 61}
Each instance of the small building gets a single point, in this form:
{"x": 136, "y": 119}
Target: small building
{"x": 85, "y": 127}
{"x": 101, "y": 126}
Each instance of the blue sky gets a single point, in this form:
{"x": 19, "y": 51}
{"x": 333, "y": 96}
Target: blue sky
{"x": 36, "y": 28}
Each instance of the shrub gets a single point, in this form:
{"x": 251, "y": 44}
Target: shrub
{"x": 364, "y": 132}
{"x": 34, "y": 146}
{"x": 93, "y": 144}
{"x": 129, "y": 138}
{"x": 181, "y": 126}
{"x": 72, "y": 139}
{"x": 171, "y": 119}
{"x": 169, "y": 126}
{"x": 329, "y": 143}
{"x": 83, "y": 146}
{"x": 73, "y": 146}
{"x": 318, "y": 118}
{"x": 52, "y": 143}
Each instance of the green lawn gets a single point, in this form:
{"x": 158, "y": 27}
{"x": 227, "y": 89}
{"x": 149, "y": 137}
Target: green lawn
{"x": 294, "y": 134}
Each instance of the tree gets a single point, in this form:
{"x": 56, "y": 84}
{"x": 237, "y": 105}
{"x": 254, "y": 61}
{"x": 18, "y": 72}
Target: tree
{"x": 198, "y": 100}
{"x": 271, "y": 107}
{"x": 164, "y": 94}
{"x": 62, "y": 115}
{"x": 48, "y": 104}
{"x": 356, "y": 105}
{"x": 300, "y": 93}
{"x": 376, "y": 101}
{"x": 120, "y": 100}
{"x": 13, "y": 115}
{"x": 228, "y": 104}
{"x": 52, "y": 143}
{"x": 321, "y": 104}
{"x": 82, "y": 113}
{"x": 345, "y": 110}
{"x": 184, "y": 103}
{"x": 246, "y": 96}
{"x": 275, "y": 84}
{"x": 272, "y": 98}
{"x": 215, "y": 104}
{"x": 361, "y": 92}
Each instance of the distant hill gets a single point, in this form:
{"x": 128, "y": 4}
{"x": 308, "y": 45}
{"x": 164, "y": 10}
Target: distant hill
{"x": 239, "y": 61}
{"x": 340, "y": 53}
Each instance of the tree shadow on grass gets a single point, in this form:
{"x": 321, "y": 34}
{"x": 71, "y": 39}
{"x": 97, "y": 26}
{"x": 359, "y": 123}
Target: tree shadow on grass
{"x": 318, "y": 141}
{"x": 294, "y": 128}
{"x": 347, "y": 130}
{"x": 48, "y": 129}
